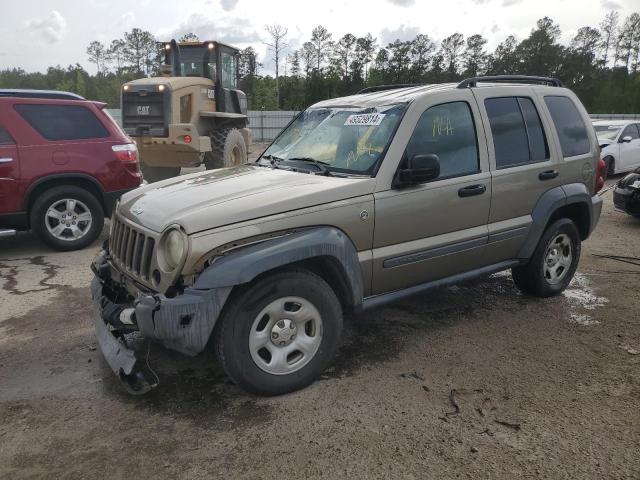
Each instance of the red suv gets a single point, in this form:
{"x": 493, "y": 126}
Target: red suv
{"x": 63, "y": 164}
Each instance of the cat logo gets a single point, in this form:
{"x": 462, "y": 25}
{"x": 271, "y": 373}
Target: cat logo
{"x": 143, "y": 109}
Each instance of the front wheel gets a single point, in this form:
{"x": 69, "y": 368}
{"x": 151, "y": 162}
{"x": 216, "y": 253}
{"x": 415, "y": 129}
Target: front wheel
{"x": 553, "y": 263}
{"x": 228, "y": 149}
{"x": 279, "y": 333}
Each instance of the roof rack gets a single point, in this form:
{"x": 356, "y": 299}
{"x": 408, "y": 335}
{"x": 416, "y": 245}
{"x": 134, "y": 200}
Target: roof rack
{"x": 473, "y": 81}
{"x": 45, "y": 94}
{"x": 381, "y": 88}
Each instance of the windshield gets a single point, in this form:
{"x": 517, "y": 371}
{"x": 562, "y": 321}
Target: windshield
{"x": 608, "y": 131}
{"x": 197, "y": 61}
{"x": 349, "y": 140}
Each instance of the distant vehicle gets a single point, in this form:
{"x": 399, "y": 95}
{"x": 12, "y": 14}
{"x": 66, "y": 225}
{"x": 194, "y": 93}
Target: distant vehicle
{"x": 620, "y": 144}
{"x": 626, "y": 196}
{"x": 194, "y": 113}
{"x": 63, "y": 164}
{"x": 362, "y": 200}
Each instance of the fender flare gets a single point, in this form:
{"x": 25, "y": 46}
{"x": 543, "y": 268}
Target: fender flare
{"x": 548, "y": 203}
{"x": 243, "y": 265}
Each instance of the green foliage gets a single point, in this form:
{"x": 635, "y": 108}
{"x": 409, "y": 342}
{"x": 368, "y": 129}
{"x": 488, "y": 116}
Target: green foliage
{"x": 602, "y": 65}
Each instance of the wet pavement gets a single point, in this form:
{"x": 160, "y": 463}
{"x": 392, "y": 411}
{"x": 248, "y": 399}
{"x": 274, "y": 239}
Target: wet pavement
{"x": 471, "y": 381}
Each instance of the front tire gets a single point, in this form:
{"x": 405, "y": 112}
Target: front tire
{"x": 67, "y": 218}
{"x": 279, "y": 333}
{"x": 554, "y": 261}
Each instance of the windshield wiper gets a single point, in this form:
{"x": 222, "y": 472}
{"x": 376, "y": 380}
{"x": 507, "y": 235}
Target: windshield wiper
{"x": 319, "y": 164}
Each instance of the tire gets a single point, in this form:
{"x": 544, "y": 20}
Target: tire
{"x": 228, "y": 149}
{"x": 46, "y": 217}
{"x": 610, "y": 166}
{"x": 250, "y": 320}
{"x": 533, "y": 278}
{"x": 156, "y": 174}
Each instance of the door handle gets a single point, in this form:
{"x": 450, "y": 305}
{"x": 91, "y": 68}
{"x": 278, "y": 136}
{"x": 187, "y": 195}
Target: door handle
{"x": 472, "y": 190}
{"x": 6, "y": 160}
{"x": 548, "y": 175}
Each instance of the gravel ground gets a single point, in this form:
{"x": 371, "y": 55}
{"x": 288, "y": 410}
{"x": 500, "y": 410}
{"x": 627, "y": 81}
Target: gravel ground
{"x": 472, "y": 381}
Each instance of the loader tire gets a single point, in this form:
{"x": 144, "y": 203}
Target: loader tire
{"x": 228, "y": 149}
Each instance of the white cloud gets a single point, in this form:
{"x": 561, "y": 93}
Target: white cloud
{"x": 228, "y": 5}
{"x": 403, "y": 3}
{"x": 508, "y": 3}
{"x": 610, "y": 4}
{"x": 52, "y": 28}
{"x": 233, "y": 30}
{"x": 403, "y": 32}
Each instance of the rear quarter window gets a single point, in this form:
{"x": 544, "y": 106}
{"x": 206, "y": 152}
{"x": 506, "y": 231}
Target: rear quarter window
{"x": 5, "y": 138}
{"x": 63, "y": 122}
{"x": 571, "y": 129}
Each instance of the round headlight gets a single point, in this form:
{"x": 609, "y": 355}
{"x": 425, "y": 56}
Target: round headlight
{"x": 174, "y": 247}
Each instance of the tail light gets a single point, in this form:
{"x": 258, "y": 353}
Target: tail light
{"x": 600, "y": 173}
{"x": 127, "y": 153}
{"x": 187, "y": 139}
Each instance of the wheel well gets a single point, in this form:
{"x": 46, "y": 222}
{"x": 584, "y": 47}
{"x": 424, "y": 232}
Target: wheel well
{"x": 64, "y": 181}
{"x": 329, "y": 269}
{"x": 578, "y": 212}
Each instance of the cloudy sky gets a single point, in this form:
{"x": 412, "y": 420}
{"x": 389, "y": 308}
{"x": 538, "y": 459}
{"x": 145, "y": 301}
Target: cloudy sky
{"x": 37, "y": 33}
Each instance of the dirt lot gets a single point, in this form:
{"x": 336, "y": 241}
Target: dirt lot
{"x": 543, "y": 388}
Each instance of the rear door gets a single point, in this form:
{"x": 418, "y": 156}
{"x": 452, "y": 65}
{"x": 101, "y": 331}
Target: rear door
{"x": 630, "y": 151}
{"x": 9, "y": 172}
{"x": 524, "y": 164}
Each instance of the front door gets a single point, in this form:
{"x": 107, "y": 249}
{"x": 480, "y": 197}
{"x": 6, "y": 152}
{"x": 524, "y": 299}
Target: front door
{"x": 630, "y": 151}
{"x": 9, "y": 170}
{"x": 437, "y": 229}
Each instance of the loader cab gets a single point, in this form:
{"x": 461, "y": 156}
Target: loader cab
{"x": 213, "y": 60}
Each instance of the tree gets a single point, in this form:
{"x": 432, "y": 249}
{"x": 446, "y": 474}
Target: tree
{"x": 277, "y": 44}
{"x": 115, "y": 53}
{"x": 97, "y": 54}
{"x": 139, "y": 47}
{"x": 474, "y": 57}
{"x": 539, "y": 53}
{"x": 609, "y": 29}
{"x": 399, "y": 60}
{"x": 421, "y": 49}
{"x": 321, "y": 41}
{"x": 365, "y": 48}
{"x": 344, "y": 52}
{"x": 504, "y": 60}
{"x": 451, "y": 49}
{"x": 308, "y": 57}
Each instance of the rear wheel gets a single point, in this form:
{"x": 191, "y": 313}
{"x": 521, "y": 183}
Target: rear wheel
{"x": 279, "y": 333}
{"x": 67, "y": 217}
{"x": 228, "y": 149}
{"x": 553, "y": 263}
{"x": 155, "y": 174}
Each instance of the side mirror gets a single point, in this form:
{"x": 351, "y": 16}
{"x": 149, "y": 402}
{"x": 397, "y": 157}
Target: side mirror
{"x": 420, "y": 169}
{"x": 626, "y": 139}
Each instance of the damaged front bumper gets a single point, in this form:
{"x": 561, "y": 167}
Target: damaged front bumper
{"x": 183, "y": 323}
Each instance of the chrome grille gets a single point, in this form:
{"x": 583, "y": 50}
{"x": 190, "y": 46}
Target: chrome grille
{"x": 131, "y": 248}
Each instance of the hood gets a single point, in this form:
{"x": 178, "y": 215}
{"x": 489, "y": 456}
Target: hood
{"x": 215, "y": 198}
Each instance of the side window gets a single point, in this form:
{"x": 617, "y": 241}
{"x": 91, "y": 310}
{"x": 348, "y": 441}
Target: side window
{"x": 518, "y": 137}
{"x": 571, "y": 129}
{"x": 228, "y": 71}
{"x": 62, "y": 122}
{"x": 5, "y": 138}
{"x": 631, "y": 131}
{"x": 449, "y": 132}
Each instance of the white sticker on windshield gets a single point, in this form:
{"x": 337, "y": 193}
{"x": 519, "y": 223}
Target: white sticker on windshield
{"x": 365, "y": 119}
